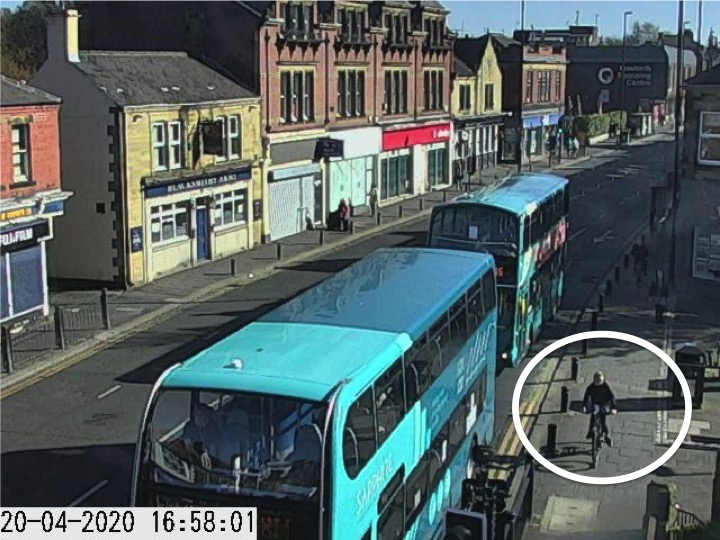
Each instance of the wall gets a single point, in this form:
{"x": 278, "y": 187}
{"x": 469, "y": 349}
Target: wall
{"x": 490, "y": 74}
{"x": 44, "y": 122}
{"x": 86, "y": 116}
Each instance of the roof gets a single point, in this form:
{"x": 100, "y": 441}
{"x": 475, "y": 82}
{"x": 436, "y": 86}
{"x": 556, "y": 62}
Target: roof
{"x": 519, "y": 192}
{"x": 307, "y": 346}
{"x": 646, "y": 53}
{"x": 461, "y": 68}
{"x": 13, "y": 93}
{"x": 148, "y": 78}
{"x": 710, "y": 77}
{"x": 471, "y": 51}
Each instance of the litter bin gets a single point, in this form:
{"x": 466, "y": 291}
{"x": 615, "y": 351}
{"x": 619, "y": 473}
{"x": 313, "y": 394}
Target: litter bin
{"x": 692, "y": 362}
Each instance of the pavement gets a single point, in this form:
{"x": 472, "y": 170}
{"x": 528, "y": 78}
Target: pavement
{"x": 645, "y": 426}
{"x": 85, "y": 416}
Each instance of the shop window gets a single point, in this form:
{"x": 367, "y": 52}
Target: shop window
{"x": 21, "y": 153}
{"x": 231, "y": 128}
{"x": 168, "y": 222}
{"x": 395, "y": 176}
{"x": 437, "y": 166}
{"x": 709, "y": 143}
{"x": 167, "y": 143}
{"x": 231, "y": 207}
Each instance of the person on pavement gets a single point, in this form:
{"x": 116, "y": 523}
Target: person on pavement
{"x": 599, "y": 393}
{"x": 344, "y": 210}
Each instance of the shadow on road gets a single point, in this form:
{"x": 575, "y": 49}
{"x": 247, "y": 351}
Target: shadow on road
{"x": 44, "y": 478}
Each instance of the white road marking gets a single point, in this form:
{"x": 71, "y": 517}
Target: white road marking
{"x": 578, "y": 233}
{"x": 89, "y": 493}
{"x": 112, "y": 390}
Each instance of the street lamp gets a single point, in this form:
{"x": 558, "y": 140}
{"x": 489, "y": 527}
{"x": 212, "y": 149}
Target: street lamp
{"x": 622, "y": 70}
{"x": 521, "y": 87}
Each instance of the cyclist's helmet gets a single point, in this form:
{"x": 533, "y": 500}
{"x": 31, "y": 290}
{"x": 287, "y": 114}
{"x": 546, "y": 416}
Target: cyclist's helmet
{"x": 599, "y": 377}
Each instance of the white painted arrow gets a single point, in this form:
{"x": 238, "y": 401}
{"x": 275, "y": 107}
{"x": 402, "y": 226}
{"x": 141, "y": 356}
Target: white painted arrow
{"x": 607, "y": 235}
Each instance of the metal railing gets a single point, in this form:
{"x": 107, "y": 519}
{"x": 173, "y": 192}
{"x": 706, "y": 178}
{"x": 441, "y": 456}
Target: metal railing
{"x": 686, "y": 525}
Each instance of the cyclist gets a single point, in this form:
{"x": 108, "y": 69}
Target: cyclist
{"x": 599, "y": 393}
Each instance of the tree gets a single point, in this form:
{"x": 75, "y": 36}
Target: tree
{"x": 610, "y": 41}
{"x": 646, "y": 32}
{"x": 23, "y": 47}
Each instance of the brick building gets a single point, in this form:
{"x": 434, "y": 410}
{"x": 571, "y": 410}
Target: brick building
{"x": 163, "y": 155}
{"x": 353, "y": 93}
{"x": 31, "y": 196}
{"x": 541, "y": 97}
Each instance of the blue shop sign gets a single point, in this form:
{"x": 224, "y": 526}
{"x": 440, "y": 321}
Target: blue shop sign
{"x": 541, "y": 120}
{"x": 189, "y": 184}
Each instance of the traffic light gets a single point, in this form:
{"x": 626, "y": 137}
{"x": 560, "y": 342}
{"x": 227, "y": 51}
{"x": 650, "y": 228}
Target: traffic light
{"x": 461, "y": 525}
{"x": 560, "y": 130}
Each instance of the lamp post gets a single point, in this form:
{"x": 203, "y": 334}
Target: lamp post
{"x": 622, "y": 78}
{"x": 521, "y": 87}
{"x": 678, "y": 112}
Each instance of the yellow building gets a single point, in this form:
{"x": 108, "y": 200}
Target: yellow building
{"x": 476, "y": 107}
{"x": 164, "y": 154}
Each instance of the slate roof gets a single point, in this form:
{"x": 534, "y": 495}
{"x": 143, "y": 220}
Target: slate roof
{"x": 711, "y": 77}
{"x": 14, "y": 93}
{"x": 461, "y": 68}
{"x": 147, "y": 78}
{"x": 471, "y": 50}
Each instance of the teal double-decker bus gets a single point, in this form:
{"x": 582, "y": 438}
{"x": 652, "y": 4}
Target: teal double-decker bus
{"x": 350, "y": 412}
{"x": 523, "y": 224}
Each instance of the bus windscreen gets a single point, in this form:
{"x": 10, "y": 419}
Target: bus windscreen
{"x": 474, "y": 227}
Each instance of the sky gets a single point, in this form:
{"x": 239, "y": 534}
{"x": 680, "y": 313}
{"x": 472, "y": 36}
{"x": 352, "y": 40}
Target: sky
{"x": 504, "y": 15}
{"x": 474, "y": 16}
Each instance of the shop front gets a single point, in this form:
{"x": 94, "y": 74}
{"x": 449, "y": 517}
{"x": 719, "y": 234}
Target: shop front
{"x": 191, "y": 220}
{"x": 295, "y": 187}
{"x": 536, "y": 130}
{"x": 475, "y": 146}
{"x": 414, "y": 161}
{"x": 351, "y": 176}
{"x": 23, "y": 269}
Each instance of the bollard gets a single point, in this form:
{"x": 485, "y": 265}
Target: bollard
{"x": 551, "y": 444}
{"x": 233, "y": 267}
{"x": 279, "y": 251}
{"x": 617, "y": 274}
{"x": 574, "y": 368}
{"x": 601, "y": 303}
{"x": 352, "y": 227}
{"x": 105, "y": 308}
{"x": 422, "y": 203}
{"x": 7, "y": 352}
{"x": 322, "y": 237}
{"x": 400, "y": 211}
{"x": 593, "y": 320}
{"x": 584, "y": 345}
{"x": 608, "y": 288}
{"x": 379, "y": 218}
{"x": 626, "y": 260}
{"x": 59, "y": 328}
{"x": 444, "y": 196}
{"x": 564, "y": 399}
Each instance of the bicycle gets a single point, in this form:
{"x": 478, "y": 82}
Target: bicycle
{"x": 598, "y": 413}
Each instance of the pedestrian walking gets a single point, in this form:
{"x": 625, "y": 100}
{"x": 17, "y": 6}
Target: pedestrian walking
{"x": 644, "y": 255}
{"x": 373, "y": 194}
{"x": 344, "y": 211}
{"x": 635, "y": 255}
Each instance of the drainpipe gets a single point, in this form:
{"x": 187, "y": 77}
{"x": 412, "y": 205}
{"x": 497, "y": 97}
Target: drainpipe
{"x": 121, "y": 206}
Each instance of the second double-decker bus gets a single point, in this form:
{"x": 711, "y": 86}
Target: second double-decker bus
{"x": 350, "y": 412}
{"x": 523, "y": 223}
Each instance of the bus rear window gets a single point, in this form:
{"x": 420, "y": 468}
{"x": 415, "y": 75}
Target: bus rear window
{"x": 465, "y": 227}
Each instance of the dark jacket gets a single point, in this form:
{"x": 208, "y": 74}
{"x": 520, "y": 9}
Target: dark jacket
{"x": 599, "y": 395}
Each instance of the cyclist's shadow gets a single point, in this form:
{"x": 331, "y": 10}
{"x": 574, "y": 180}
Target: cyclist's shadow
{"x": 564, "y": 452}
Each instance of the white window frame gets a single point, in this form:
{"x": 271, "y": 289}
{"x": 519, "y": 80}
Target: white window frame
{"x": 228, "y": 135}
{"x": 160, "y": 147}
{"x": 22, "y": 154}
{"x": 230, "y": 197}
{"x": 175, "y": 143}
{"x": 165, "y": 214}
{"x": 710, "y": 162}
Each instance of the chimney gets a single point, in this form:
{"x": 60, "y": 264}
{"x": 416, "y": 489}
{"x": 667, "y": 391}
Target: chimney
{"x": 62, "y": 36}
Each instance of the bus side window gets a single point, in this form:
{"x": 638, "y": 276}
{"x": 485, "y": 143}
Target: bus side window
{"x": 457, "y": 428}
{"x": 391, "y": 524}
{"x": 527, "y": 240}
{"x": 361, "y": 423}
{"x": 416, "y": 491}
{"x": 458, "y": 327}
{"x": 440, "y": 336}
{"x": 438, "y": 457}
{"x": 535, "y": 226}
{"x": 476, "y": 310}
{"x": 489, "y": 291}
{"x": 390, "y": 401}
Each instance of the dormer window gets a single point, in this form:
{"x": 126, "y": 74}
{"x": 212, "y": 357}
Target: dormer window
{"x": 397, "y": 28}
{"x": 298, "y": 19}
{"x": 353, "y": 23}
{"x": 434, "y": 28}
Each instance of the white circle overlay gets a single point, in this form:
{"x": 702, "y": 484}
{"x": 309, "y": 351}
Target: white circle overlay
{"x": 608, "y": 480}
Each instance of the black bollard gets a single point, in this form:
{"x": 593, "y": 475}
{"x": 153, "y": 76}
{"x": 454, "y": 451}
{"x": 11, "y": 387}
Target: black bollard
{"x": 379, "y": 218}
{"x": 601, "y": 303}
{"x": 322, "y": 238}
{"x": 59, "y": 328}
{"x": 105, "y": 305}
{"x": 7, "y": 350}
{"x": 233, "y": 267}
{"x": 400, "y": 211}
{"x": 422, "y": 203}
{"x": 574, "y": 368}
{"x": 593, "y": 320}
{"x": 608, "y": 287}
{"x": 551, "y": 445}
{"x": 352, "y": 227}
{"x": 564, "y": 399}
{"x": 444, "y": 196}
{"x": 584, "y": 345}
{"x": 617, "y": 274}
{"x": 626, "y": 260}
{"x": 279, "y": 251}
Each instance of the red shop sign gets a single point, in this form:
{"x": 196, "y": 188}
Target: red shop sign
{"x": 404, "y": 138}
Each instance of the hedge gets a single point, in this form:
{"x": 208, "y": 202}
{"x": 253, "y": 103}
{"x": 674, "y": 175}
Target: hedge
{"x": 598, "y": 124}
